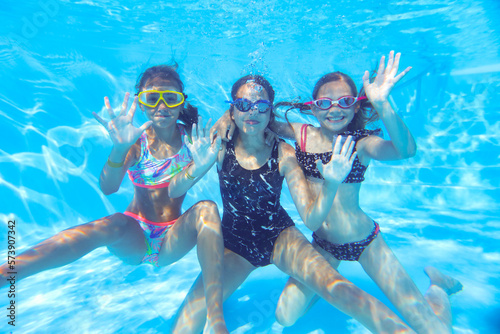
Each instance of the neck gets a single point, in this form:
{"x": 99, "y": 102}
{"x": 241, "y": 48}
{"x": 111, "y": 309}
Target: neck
{"x": 329, "y": 135}
{"x": 251, "y": 141}
{"x": 168, "y": 135}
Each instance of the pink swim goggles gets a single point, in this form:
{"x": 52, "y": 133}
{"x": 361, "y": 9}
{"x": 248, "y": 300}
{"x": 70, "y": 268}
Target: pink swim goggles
{"x": 343, "y": 102}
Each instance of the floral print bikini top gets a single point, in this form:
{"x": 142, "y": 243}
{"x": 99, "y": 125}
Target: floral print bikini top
{"x": 149, "y": 172}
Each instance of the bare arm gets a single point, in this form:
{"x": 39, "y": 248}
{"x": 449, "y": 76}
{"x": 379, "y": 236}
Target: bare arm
{"x": 204, "y": 151}
{"x": 402, "y": 144}
{"x": 284, "y": 129}
{"x": 123, "y": 134}
{"x": 314, "y": 211}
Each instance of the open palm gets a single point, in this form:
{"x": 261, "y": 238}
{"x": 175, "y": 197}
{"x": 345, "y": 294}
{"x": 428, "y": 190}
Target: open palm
{"x": 203, "y": 149}
{"x": 120, "y": 127}
{"x": 378, "y": 91}
{"x": 337, "y": 169}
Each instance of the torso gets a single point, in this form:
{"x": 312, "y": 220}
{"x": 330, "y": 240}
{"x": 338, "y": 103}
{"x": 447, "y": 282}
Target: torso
{"x": 160, "y": 162}
{"x": 253, "y": 216}
{"x": 346, "y": 221}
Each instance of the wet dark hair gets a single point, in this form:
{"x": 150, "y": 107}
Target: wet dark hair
{"x": 365, "y": 114}
{"x": 259, "y": 80}
{"x": 189, "y": 114}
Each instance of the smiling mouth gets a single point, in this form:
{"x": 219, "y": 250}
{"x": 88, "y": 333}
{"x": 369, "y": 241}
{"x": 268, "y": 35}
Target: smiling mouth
{"x": 335, "y": 119}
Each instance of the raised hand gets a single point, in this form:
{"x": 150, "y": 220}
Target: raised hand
{"x": 378, "y": 91}
{"x": 203, "y": 149}
{"x": 337, "y": 169}
{"x": 122, "y": 131}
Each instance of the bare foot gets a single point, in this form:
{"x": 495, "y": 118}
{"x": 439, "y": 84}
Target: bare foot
{"x": 445, "y": 282}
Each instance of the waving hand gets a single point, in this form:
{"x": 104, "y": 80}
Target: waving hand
{"x": 337, "y": 169}
{"x": 122, "y": 131}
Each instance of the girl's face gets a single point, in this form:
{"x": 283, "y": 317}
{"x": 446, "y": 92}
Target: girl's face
{"x": 335, "y": 119}
{"x": 161, "y": 115}
{"x": 251, "y": 121}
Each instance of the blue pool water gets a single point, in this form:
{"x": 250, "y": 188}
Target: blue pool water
{"x": 59, "y": 58}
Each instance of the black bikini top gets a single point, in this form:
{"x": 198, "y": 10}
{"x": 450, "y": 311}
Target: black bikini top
{"x": 308, "y": 160}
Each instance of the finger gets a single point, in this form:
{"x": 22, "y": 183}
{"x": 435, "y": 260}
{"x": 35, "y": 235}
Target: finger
{"x": 187, "y": 142}
{"x": 381, "y": 67}
{"x": 353, "y": 156}
{"x": 337, "y": 145}
{"x": 193, "y": 132}
{"x": 346, "y": 146}
{"x": 207, "y": 127}
{"x": 402, "y": 74}
{"x": 100, "y": 120}
{"x": 366, "y": 79}
{"x": 123, "y": 110}
{"x": 133, "y": 108}
{"x": 352, "y": 146}
{"x": 111, "y": 113}
{"x": 199, "y": 127}
{"x": 145, "y": 125}
{"x": 395, "y": 65}
{"x": 390, "y": 62}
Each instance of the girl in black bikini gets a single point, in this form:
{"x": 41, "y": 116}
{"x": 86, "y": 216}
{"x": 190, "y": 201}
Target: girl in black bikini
{"x": 348, "y": 234}
{"x": 256, "y": 229}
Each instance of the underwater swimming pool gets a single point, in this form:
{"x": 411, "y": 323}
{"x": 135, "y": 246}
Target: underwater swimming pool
{"x": 60, "y": 58}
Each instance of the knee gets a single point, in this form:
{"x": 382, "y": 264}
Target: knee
{"x": 207, "y": 213}
{"x": 206, "y": 207}
{"x": 283, "y": 317}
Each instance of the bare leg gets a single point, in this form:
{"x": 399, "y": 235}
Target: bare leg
{"x": 190, "y": 317}
{"x": 296, "y": 298}
{"x": 200, "y": 225}
{"x": 294, "y": 255}
{"x": 441, "y": 287}
{"x": 383, "y": 267}
{"x": 121, "y": 233}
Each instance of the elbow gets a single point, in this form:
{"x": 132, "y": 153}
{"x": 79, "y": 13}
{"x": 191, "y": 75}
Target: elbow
{"x": 412, "y": 151}
{"x": 107, "y": 190}
{"x": 173, "y": 192}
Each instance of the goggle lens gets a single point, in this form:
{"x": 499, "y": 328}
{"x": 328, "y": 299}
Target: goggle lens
{"x": 151, "y": 98}
{"x": 344, "y": 102}
{"x": 245, "y": 105}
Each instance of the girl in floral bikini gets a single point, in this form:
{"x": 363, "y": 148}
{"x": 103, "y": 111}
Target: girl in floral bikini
{"x": 162, "y": 167}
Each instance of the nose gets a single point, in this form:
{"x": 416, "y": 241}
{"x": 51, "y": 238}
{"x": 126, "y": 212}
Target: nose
{"x": 162, "y": 104}
{"x": 253, "y": 110}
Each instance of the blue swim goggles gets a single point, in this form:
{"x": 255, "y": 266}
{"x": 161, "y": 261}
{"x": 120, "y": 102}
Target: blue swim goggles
{"x": 245, "y": 105}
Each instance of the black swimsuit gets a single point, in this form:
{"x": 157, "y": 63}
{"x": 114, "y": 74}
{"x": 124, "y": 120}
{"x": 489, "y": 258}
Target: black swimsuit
{"x": 253, "y": 216}
{"x": 350, "y": 251}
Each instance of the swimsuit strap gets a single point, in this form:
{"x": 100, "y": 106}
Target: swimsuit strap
{"x": 303, "y": 137}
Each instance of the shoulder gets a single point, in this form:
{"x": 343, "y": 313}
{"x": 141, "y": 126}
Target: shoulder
{"x": 302, "y": 130}
{"x": 285, "y": 149}
{"x": 287, "y": 159}
{"x": 366, "y": 139}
